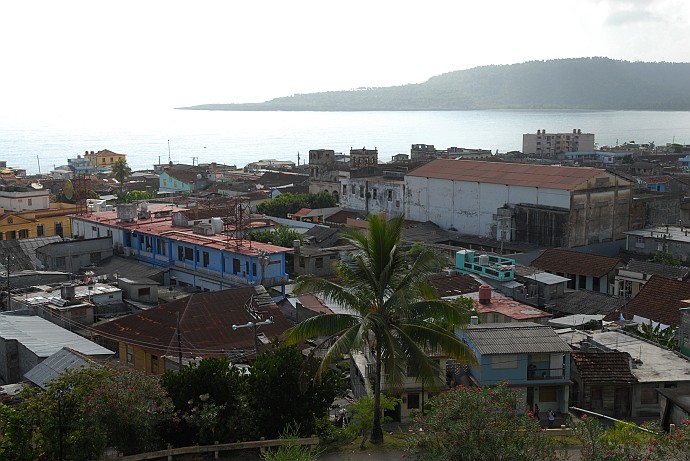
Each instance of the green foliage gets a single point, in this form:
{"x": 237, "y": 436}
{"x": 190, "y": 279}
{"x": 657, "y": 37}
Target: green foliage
{"x": 282, "y": 236}
{"x": 480, "y": 424}
{"x": 134, "y": 196}
{"x": 362, "y": 420}
{"x": 666, "y": 258}
{"x": 393, "y": 311}
{"x": 620, "y": 443}
{"x": 291, "y": 450}
{"x": 277, "y": 399}
{"x": 209, "y": 399}
{"x": 289, "y": 203}
{"x": 665, "y": 337}
{"x": 98, "y": 408}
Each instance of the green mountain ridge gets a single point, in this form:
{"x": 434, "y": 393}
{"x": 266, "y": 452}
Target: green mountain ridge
{"x": 576, "y": 84}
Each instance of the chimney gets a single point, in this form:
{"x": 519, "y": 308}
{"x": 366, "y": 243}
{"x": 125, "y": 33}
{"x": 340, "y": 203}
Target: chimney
{"x": 485, "y": 294}
{"x": 474, "y": 320}
{"x": 295, "y": 246}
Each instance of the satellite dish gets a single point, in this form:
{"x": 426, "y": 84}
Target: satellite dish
{"x": 68, "y": 190}
{"x": 37, "y": 185}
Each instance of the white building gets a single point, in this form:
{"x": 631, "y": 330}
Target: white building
{"x": 375, "y": 194}
{"x": 540, "y": 204}
{"x": 550, "y": 144}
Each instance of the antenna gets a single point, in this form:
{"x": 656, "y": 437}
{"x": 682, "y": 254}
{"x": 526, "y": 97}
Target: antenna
{"x": 168, "y": 150}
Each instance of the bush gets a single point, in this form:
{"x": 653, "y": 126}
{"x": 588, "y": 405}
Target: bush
{"x": 480, "y": 424}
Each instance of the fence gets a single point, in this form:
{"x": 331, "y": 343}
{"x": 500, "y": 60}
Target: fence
{"x": 216, "y": 448}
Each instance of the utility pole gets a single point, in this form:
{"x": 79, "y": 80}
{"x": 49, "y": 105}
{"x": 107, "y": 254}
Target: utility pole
{"x": 179, "y": 342}
{"x": 9, "y": 295}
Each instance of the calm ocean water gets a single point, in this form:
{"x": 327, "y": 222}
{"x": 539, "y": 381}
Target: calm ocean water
{"x": 237, "y": 138}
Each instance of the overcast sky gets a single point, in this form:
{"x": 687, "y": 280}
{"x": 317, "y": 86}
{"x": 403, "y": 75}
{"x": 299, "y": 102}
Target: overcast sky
{"x": 74, "y": 54}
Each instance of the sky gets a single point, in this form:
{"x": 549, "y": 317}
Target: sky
{"x": 72, "y": 55}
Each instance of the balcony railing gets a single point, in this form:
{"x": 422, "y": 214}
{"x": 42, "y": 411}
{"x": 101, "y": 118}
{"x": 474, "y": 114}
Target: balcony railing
{"x": 545, "y": 373}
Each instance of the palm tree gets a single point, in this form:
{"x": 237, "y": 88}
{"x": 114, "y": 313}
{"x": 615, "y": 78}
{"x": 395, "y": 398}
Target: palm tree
{"x": 392, "y": 311}
{"x": 121, "y": 171}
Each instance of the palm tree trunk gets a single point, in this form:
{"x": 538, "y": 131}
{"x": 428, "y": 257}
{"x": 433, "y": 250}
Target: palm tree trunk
{"x": 377, "y": 430}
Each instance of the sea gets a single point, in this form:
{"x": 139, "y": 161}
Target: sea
{"x": 41, "y": 142}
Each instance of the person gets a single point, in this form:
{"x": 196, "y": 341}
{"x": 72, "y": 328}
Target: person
{"x": 552, "y": 418}
{"x": 536, "y": 411}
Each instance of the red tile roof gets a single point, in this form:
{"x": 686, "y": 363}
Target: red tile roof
{"x": 514, "y": 174}
{"x": 660, "y": 300}
{"x": 604, "y": 367}
{"x": 562, "y": 261}
{"x": 206, "y": 321}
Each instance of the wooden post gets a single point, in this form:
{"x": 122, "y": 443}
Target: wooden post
{"x": 215, "y": 453}
{"x": 170, "y": 456}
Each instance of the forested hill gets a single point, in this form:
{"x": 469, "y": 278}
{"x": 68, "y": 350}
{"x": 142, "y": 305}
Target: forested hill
{"x": 583, "y": 83}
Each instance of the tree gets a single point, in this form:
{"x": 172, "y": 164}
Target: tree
{"x": 666, "y": 258}
{"x": 480, "y": 424}
{"x": 289, "y": 203}
{"x": 121, "y": 171}
{"x": 282, "y": 236}
{"x": 393, "y": 311}
{"x": 276, "y": 397}
{"x": 209, "y": 398}
{"x": 362, "y": 420}
{"x": 83, "y": 412}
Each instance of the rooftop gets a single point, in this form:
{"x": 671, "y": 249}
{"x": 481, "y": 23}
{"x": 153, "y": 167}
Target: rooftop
{"x": 44, "y": 338}
{"x": 674, "y": 233}
{"x": 576, "y": 263}
{"x": 515, "y": 338}
{"x": 660, "y": 300}
{"x": 655, "y": 363}
{"x": 604, "y": 367}
{"x": 664, "y": 270}
{"x": 514, "y": 174}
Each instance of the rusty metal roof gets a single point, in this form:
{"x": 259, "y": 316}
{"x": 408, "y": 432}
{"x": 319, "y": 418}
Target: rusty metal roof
{"x": 206, "y": 321}
{"x": 515, "y": 338}
{"x": 513, "y": 174}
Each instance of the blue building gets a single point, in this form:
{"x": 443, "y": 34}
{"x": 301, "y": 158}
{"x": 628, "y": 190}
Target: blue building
{"x": 199, "y": 256}
{"x": 80, "y": 165}
{"x": 528, "y": 356}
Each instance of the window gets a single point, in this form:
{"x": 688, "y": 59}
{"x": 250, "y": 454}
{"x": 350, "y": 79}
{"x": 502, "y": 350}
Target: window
{"x": 235, "y": 266}
{"x": 180, "y": 253}
{"x": 130, "y": 355}
{"x": 504, "y": 361}
{"x": 160, "y": 247}
{"x": 189, "y": 254}
{"x": 412, "y": 401}
{"x": 344, "y": 189}
{"x": 206, "y": 259}
{"x": 40, "y": 232}
{"x": 58, "y": 228}
{"x": 254, "y": 269}
{"x": 352, "y": 189}
{"x": 374, "y": 193}
{"x": 154, "y": 364}
{"x": 397, "y": 203}
{"x": 361, "y": 191}
{"x": 390, "y": 195}
{"x": 246, "y": 268}
{"x": 318, "y": 263}
{"x": 144, "y": 291}
{"x": 24, "y": 233}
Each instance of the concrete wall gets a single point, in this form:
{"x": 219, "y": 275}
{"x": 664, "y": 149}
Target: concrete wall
{"x": 373, "y": 195}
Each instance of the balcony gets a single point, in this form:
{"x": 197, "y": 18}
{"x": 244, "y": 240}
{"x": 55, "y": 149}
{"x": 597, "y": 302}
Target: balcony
{"x": 543, "y": 374}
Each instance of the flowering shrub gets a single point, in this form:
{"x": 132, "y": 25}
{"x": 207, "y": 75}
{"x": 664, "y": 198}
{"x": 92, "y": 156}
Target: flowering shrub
{"x": 478, "y": 424}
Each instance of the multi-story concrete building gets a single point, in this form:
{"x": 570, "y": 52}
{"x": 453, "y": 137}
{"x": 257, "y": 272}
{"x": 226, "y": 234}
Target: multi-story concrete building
{"x": 327, "y": 169}
{"x": 26, "y": 213}
{"x": 539, "y": 204}
{"x": 374, "y": 194}
{"x": 197, "y": 256}
{"x": 103, "y": 158}
{"x": 548, "y": 145}
{"x": 427, "y": 152}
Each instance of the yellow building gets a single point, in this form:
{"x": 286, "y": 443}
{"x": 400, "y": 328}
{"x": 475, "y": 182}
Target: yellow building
{"x": 103, "y": 158}
{"x": 27, "y": 213}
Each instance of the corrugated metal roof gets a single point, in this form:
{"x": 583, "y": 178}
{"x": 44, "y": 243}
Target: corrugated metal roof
{"x": 514, "y": 174}
{"x": 52, "y": 367}
{"x": 44, "y": 338}
{"x": 515, "y": 338}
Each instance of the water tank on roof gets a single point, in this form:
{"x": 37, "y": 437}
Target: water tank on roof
{"x": 217, "y": 225}
{"x": 127, "y": 212}
{"x": 483, "y": 260}
{"x": 67, "y": 292}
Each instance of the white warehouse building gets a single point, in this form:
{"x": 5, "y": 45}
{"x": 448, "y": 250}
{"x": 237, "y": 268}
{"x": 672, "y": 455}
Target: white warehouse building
{"x": 541, "y": 204}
